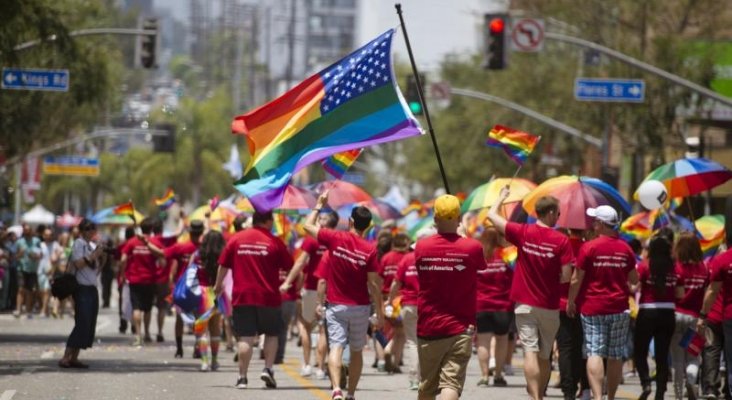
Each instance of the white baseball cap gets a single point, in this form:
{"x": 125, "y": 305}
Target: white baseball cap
{"x": 606, "y": 214}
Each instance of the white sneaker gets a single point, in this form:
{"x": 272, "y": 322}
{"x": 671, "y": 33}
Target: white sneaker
{"x": 205, "y": 367}
{"x": 320, "y": 374}
{"x": 306, "y": 371}
{"x": 586, "y": 394}
{"x": 508, "y": 370}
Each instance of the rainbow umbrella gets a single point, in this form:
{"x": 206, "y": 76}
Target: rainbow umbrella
{"x": 342, "y": 193}
{"x": 221, "y": 215}
{"x": 710, "y": 229}
{"x": 382, "y": 209}
{"x": 108, "y": 217}
{"x": 485, "y": 195}
{"x": 689, "y": 176}
{"x": 576, "y": 194}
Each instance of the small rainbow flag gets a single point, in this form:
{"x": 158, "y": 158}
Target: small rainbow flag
{"x": 635, "y": 227}
{"x": 517, "y": 144}
{"x": 213, "y": 203}
{"x": 413, "y": 206}
{"x": 337, "y": 164}
{"x": 166, "y": 201}
{"x": 509, "y": 255}
{"x": 127, "y": 209}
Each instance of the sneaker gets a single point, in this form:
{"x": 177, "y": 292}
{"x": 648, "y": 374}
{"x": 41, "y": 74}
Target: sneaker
{"x": 320, "y": 375}
{"x": 205, "y": 367}
{"x": 336, "y": 395}
{"x": 268, "y": 378}
{"x": 483, "y": 382}
{"x": 159, "y": 338}
{"x": 508, "y": 370}
{"x": 241, "y": 383}
{"x": 148, "y": 339}
{"x": 306, "y": 371}
{"x": 16, "y": 314}
{"x": 215, "y": 365}
{"x": 137, "y": 342}
{"x": 413, "y": 385}
{"x": 499, "y": 381}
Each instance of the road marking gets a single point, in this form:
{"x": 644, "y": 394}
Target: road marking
{"x": 105, "y": 322}
{"x": 7, "y": 395}
{"x": 290, "y": 368}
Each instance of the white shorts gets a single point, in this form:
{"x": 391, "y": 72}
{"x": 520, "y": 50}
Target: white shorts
{"x": 347, "y": 325}
{"x": 309, "y": 304}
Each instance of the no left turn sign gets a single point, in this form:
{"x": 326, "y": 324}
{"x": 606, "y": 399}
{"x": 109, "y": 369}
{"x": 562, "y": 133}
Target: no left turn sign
{"x": 527, "y": 34}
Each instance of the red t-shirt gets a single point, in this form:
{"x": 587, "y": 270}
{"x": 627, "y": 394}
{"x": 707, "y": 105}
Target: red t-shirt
{"x": 142, "y": 268}
{"x": 576, "y": 243}
{"x": 181, "y": 253}
{"x": 388, "y": 268}
{"x": 648, "y": 292}
{"x": 606, "y": 261}
{"x": 447, "y": 266}
{"x": 494, "y": 285}
{"x": 407, "y": 275}
{"x": 542, "y": 252}
{"x": 255, "y": 258}
{"x": 350, "y": 259}
{"x": 695, "y": 279}
{"x": 315, "y": 252}
{"x": 722, "y": 272}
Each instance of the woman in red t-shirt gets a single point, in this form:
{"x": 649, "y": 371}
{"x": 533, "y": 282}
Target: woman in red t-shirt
{"x": 656, "y": 320}
{"x": 212, "y": 245}
{"x": 694, "y": 276}
{"x": 494, "y": 308}
{"x": 389, "y": 264}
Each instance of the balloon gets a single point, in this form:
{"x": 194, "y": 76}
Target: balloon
{"x": 652, "y": 194}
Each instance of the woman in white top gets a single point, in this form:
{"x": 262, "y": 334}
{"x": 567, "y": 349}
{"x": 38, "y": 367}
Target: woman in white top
{"x": 86, "y": 257}
{"x": 50, "y": 253}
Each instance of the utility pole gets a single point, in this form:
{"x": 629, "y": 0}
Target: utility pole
{"x": 289, "y": 72}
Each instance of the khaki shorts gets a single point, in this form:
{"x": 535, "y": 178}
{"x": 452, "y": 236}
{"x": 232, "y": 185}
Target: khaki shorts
{"x": 443, "y": 363}
{"x": 309, "y": 304}
{"x": 537, "y": 328}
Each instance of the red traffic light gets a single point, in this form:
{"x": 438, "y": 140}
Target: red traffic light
{"x": 497, "y": 25}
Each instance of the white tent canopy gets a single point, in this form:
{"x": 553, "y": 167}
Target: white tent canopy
{"x": 38, "y": 215}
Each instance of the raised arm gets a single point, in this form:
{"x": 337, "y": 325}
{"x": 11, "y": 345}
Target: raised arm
{"x": 494, "y": 214}
{"x": 310, "y": 226}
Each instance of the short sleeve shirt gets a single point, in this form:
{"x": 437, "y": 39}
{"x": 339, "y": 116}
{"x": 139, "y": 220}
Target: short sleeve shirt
{"x": 388, "y": 268}
{"x": 542, "y": 252}
{"x": 447, "y": 266}
{"x": 494, "y": 284}
{"x": 255, "y": 258}
{"x": 722, "y": 272}
{"x": 142, "y": 266}
{"x": 180, "y": 252}
{"x": 407, "y": 276}
{"x": 315, "y": 252}
{"x": 28, "y": 246}
{"x": 606, "y": 262}
{"x": 86, "y": 276}
{"x": 695, "y": 279}
{"x": 350, "y": 259}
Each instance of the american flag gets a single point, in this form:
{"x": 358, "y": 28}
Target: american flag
{"x": 360, "y": 73}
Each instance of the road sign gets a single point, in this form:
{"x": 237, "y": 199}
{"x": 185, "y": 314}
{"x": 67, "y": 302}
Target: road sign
{"x": 618, "y": 90}
{"x": 527, "y": 34}
{"x": 55, "y": 80}
{"x": 70, "y": 165}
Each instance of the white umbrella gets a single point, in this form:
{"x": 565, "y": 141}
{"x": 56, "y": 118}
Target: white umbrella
{"x": 38, "y": 215}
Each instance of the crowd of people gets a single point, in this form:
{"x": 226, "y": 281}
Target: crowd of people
{"x": 587, "y": 300}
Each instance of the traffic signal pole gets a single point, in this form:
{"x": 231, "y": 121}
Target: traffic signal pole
{"x": 89, "y": 32}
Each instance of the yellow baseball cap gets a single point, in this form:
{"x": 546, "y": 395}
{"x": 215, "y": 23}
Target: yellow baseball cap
{"x": 447, "y": 206}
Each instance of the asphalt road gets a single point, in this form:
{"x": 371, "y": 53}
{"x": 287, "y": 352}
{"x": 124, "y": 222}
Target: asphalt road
{"x": 30, "y": 349}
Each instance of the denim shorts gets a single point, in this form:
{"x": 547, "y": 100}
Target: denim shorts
{"x": 606, "y": 335}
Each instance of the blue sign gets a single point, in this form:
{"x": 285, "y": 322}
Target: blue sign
{"x": 56, "y": 80}
{"x": 70, "y": 165}
{"x": 619, "y": 90}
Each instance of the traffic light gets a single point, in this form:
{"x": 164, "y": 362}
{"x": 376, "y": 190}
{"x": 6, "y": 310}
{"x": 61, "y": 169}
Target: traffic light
{"x": 495, "y": 40}
{"x": 164, "y": 143}
{"x": 415, "y": 106}
{"x": 148, "y": 44}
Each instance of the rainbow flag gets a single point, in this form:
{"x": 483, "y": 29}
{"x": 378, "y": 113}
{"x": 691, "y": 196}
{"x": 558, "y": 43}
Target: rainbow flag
{"x": 517, "y": 144}
{"x": 509, "y": 255}
{"x": 337, "y": 164}
{"x": 414, "y": 206}
{"x": 127, "y": 209}
{"x": 352, "y": 104}
{"x": 166, "y": 201}
{"x": 711, "y": 233}
{"x": 636, "y": 227}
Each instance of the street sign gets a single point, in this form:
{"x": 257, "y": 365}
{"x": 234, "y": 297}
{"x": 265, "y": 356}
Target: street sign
{"x": 617, "y": 90}
{"x": 527, "y": 35}
{"x": 55, "y": 80}
{"x": 70, "y": 165}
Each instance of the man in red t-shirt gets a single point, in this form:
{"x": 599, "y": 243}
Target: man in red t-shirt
{"x": 447, "y": 267}
{"x": 139, "y": 268}
{"x": 177, "y": 257}
{"x": 544, "y": 261}
{"x": 606, "y": 265}
{"x": 350, "y": 277}
{"x": 255, "y": 257}
{"x": 311, "y": 253}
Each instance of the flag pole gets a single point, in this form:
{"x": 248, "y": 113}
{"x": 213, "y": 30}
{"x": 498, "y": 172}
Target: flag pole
{"x": 398, "y": 7}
